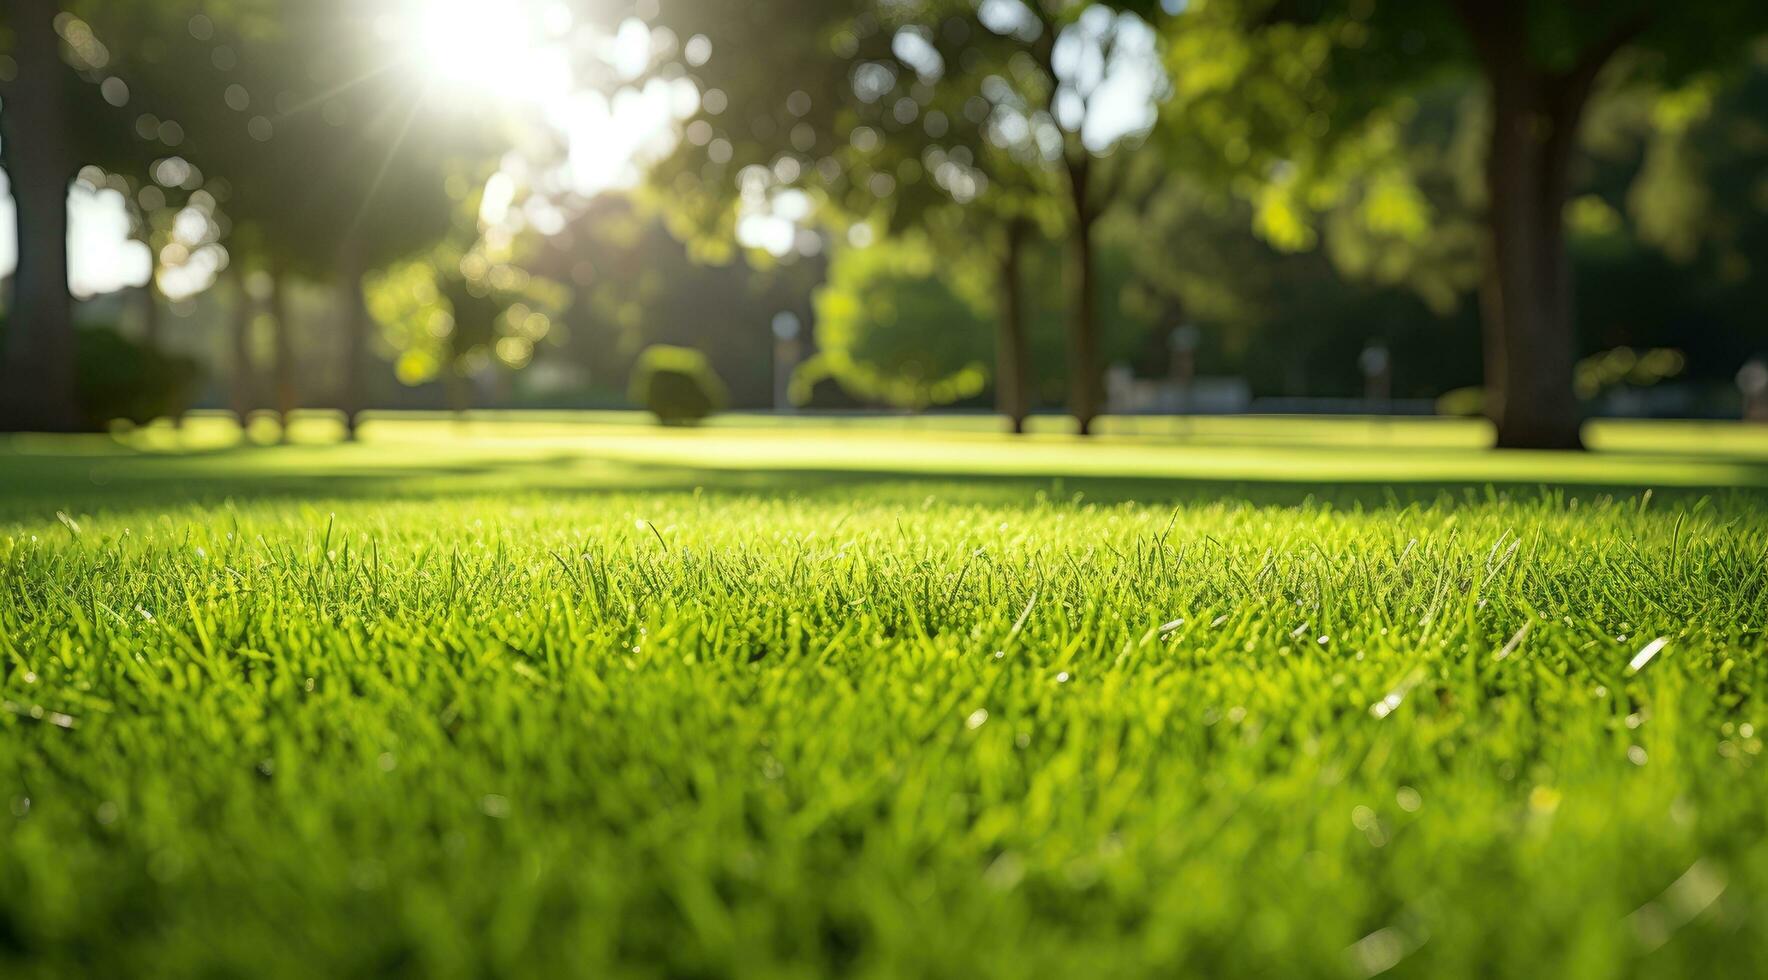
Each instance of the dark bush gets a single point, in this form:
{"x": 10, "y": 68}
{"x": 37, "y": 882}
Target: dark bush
{"x": 676, "y": 384}
{"x": 120, "y": 378}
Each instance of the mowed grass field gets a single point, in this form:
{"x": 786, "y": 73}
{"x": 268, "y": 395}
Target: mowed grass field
{"x": 573, "y": 695}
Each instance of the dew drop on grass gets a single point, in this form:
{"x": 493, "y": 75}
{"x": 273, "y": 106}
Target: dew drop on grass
{"x": 1645, "y": 654}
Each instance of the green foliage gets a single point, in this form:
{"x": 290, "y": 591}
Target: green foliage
{"x": 891, "y": 328}
{"x": 1302, "y": 99}
{"x": 1466, "y": 403}
{"x": 676, "y": 384}
{"x": 1626, "y": 366}
{"x": 1294, "y": 323}
{"x": 1698, "y": 195}
{"x": 744, "y": 704}
{"x": 468, "y": 302}
{"x": 1594, "y": 375}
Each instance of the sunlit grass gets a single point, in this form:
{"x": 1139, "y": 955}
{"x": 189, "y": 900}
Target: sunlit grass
{"x": 584, "y": 696}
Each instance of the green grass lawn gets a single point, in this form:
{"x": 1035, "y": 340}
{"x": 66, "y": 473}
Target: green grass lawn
{"x": 1239, "y": 697}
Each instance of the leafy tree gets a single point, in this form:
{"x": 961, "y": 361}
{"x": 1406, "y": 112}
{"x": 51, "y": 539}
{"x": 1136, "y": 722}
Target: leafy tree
{"x": 467, "y": 303}
{"x": 61, "y": 110}
{"x": 337, "y": 155}
{"x": 1333, "y": 66}
{"x": 1073, "y": 54}
{"x": 882, "y": 145}
{"x": 895, "y": 112}
{"x": 946, "y": 178}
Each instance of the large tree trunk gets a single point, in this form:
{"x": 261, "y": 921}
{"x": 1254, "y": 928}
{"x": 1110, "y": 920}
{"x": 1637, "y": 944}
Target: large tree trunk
{"x": 245, "y": 383}
{"x": 1012, "y": 375}
{"x": 353, "y": 312}
{"x": 284, "y": 345}
{"x": 1531, "y": 336}
{"x": 1083, "y": 330}
{"x": 37, "y": 379}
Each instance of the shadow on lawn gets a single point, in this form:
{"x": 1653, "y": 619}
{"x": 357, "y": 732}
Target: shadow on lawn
{"x": 34, "y": 486}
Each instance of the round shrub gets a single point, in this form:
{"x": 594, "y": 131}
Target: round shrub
{"x": 676, "y": 384}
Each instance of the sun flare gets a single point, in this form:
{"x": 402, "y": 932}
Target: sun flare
{"x": 508, "y": 52}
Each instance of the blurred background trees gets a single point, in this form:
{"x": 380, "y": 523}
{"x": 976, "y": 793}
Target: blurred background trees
{"x": 906, "y": 205}
{"x": 61, "y": 110}
{"x": 1539, "y": 64}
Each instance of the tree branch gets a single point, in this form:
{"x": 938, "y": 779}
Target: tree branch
{"x": 1582, "y": 75}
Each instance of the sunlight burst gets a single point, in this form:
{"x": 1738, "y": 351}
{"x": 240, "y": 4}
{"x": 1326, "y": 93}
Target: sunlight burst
{"x": 504, "y": 51}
